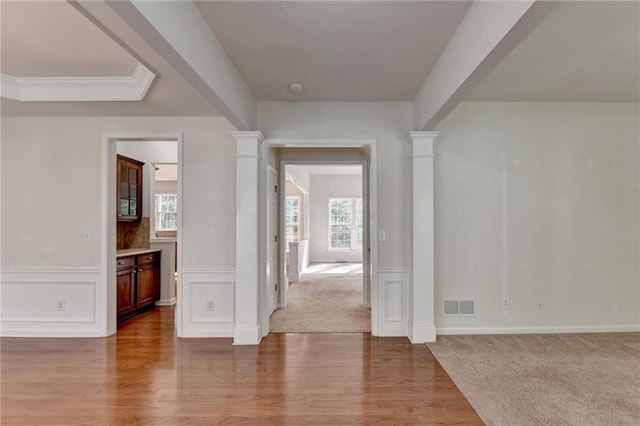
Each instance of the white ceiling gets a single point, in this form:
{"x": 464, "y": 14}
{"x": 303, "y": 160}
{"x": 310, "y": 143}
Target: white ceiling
{"x": 52, "y": 39}
{"x": 582, "y": 52}
{"x": 339, "y": 51}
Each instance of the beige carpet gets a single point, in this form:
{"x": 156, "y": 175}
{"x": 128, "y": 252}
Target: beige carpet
{"x": 551, "y": 379}
{"x": 328, "y": 298}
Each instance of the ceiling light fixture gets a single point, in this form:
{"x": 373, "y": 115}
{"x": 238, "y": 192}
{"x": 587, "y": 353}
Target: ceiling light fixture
{"x": 296, "y": 88}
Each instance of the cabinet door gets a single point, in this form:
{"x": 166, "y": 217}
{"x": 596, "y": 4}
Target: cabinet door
{"x": 129, "y": 187}
{"x": 126, "y": 288}
{"x": 148, "y": 284}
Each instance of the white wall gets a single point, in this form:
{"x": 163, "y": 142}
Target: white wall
{"x": 56, "y": 162}
{"x": 538, "y": 201}
{"x": 322, "y": 188}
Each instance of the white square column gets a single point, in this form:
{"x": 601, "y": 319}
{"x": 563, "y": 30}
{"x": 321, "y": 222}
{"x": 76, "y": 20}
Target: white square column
{"x": 247, "y": 329}
{"x": 421, "y": 324}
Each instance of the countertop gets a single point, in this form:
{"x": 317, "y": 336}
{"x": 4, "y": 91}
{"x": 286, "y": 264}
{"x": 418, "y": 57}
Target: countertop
{"x": 135, "y": 251}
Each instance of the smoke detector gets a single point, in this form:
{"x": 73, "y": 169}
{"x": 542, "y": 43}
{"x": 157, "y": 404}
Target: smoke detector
{"x": 296, "y": 88}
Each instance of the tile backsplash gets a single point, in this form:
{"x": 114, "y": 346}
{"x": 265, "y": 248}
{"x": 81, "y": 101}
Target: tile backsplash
{"x": 133, "y": 234}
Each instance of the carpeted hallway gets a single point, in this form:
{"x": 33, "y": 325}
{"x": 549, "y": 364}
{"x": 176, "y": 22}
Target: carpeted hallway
{"x": 328, "y": 298}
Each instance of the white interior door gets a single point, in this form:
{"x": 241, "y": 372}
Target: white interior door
{"x": 272, "y": 246}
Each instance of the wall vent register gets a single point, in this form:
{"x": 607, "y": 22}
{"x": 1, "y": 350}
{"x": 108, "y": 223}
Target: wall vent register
{"x": 458, "y": 308}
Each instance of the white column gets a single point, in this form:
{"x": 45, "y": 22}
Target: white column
{"x": 247, "y": 303}
{"x": 421, "y": 326}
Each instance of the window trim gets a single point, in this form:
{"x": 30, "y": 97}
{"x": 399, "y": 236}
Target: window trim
{"x": 156, "y": 213}
{"x": 297, "y": 197}
{"x": 354, "y": 225}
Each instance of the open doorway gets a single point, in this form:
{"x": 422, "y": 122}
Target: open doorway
{"x": 324, "y": 241}
{"x": 143, "y": 218}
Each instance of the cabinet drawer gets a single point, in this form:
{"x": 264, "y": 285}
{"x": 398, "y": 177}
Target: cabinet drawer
{"x": 147, "y": 258}
{"x": 125, "y": 262}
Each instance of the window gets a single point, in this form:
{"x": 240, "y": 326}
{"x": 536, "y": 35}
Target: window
{"x": 166, "y": 212}
{"x": 292, "y": 218}
{"x": 345, "y": 223}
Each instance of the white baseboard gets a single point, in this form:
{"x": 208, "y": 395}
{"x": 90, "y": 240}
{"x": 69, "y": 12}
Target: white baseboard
{"x": 247, "y": 335}
{"x": 206, "y": 334}
{"x": 166, "y": 302}
{"x": 421, "y": 333}
{"x": 392, "y": 332}
{"x": 444, "y": 331}
{"x": 49, "y": 330}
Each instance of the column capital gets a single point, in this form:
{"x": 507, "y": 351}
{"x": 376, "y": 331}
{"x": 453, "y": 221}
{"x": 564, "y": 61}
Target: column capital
{"x": 421, "y": 143}
{"x": 247, "y": 143}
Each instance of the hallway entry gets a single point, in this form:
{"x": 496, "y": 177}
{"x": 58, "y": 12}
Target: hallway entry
{"x": 327, "y": 298}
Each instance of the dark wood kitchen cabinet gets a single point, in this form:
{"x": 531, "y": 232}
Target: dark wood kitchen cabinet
{"x": 138, "y": 283}
{"x": 129, "y": 189}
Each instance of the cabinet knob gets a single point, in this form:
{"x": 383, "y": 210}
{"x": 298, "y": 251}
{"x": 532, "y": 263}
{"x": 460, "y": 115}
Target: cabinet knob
{"x": 135, "y": 271}
{"x": 149, "y": 257}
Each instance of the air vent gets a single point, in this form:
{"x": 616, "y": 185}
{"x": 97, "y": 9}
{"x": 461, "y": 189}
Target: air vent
{"x": 458, "y": 308}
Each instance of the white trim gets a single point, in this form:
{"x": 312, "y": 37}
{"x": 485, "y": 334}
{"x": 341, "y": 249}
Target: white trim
{"x": 353, "y": 232}
{"x": 78, "y": 89}
{"x": 167, "y": 302}
{"x": 47, "y": 271}
{"x": 394, "y": 270}
{"x": 49, "y": 332}
{"x": 444, "y": 331}
{"x": 247, "y": 335}
{"x": 421, "y": 333}
{"x": 30, "y": 295}
{"x": 209, "y": 271}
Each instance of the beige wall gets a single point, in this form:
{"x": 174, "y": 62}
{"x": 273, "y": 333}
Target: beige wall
{"x": 52, "y": 183}
{"x": 538, "y": 201}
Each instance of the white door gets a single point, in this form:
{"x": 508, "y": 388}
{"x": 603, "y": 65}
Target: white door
{"x": 272, "y": 246}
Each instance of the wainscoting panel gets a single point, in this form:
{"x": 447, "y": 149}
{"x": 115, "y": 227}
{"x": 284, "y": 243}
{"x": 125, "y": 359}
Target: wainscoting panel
{"x": 393, "y": 300}
{"x": 50, "y": 302}
{"x": 208, "y": 302}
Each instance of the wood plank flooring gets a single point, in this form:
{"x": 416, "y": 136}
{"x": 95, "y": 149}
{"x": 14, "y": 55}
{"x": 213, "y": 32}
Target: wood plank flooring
{"x": 144, "y": 375}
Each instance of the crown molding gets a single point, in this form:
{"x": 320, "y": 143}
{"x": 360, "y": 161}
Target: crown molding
{"x": 78, "y": 89}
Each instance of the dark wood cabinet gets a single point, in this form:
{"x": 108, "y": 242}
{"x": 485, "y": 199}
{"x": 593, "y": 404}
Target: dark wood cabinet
{"x": 138, "y": 283}
{"x": 129, "y": 189}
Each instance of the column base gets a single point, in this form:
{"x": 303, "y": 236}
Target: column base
{"x": 243, "y": 335}
{"x": 421, "y": 333}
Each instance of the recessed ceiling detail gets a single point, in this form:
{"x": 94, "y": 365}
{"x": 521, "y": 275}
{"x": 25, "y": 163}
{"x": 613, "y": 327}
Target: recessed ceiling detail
{"x": 65, "y": 89}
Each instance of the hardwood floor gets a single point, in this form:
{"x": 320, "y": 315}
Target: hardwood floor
{"x": 144, "y": 375}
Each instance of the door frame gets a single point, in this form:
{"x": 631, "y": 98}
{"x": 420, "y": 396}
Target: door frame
{"x": 370, "y": 197}
{"x": 270, "y": 246}
{"x": 107, "y": 314}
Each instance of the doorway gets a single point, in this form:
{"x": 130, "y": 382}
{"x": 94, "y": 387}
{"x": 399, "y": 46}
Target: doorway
{"x": 337, "y": 152}
{"x": 324, "y": 241}
{"x": 158, "y": 230}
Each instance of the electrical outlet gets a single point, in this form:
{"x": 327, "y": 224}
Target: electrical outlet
{"x": 540, "y": 304}
{"x": 61, "y": 305}
{"x": 505, "y": 303}
{"x": 211, "y": 306}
